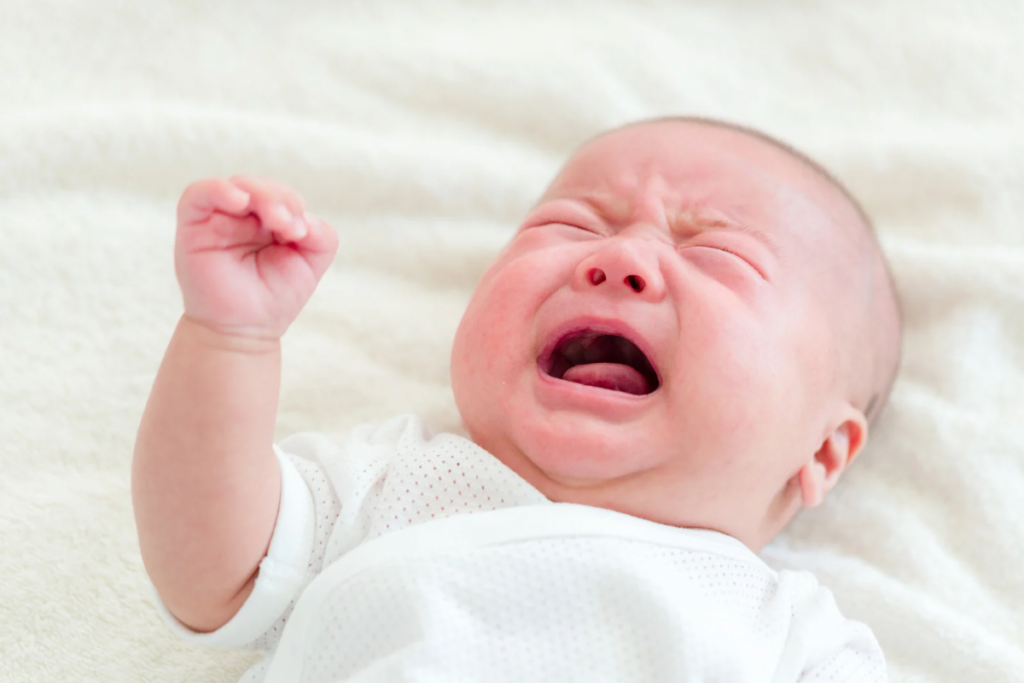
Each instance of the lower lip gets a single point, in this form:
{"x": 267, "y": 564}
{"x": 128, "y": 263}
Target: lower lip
{"x": 558, "y": 394}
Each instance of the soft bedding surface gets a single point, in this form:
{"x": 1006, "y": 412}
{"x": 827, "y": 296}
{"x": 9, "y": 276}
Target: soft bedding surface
{"x": 423, "y": 131}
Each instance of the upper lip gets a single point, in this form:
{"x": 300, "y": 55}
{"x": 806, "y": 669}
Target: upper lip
{"x": 608, "y": 326}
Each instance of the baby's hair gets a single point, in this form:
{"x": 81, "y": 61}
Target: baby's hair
{"x": 891, "y": 357}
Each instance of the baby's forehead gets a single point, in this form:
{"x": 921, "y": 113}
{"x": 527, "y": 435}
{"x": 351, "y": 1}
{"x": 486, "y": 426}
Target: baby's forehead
{"x": 694, "y": 149}
{"x": 702, "y": 171}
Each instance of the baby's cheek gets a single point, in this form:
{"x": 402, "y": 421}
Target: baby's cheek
{"x": 726, "y": 363}
{"x": 493, "y": 330}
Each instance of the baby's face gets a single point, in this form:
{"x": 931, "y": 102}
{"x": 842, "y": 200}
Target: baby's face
{"x": 657, "y": 339}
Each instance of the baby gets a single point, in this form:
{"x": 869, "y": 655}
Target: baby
{"x": 683, "y": 345}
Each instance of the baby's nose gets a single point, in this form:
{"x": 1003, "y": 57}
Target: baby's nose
{"x": 623, "y": 267}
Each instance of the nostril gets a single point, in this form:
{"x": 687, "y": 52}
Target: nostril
{"x": 636, "y": 283}
{"x": 596, "y": 276}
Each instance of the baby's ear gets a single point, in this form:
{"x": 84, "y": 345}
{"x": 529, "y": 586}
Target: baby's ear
{"x": 835, "y": 454}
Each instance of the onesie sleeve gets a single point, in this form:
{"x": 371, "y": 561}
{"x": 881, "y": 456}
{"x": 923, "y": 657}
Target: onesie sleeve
{"x": 823, "y": 645}
{"x": 290, "y": 563}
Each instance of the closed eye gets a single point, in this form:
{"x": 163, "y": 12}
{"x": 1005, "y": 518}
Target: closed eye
{"x": 732, "y": 255}
{"x": 572, "y": 225}
{"x": 561, "y": 213}
{"x": 548, "y": 223}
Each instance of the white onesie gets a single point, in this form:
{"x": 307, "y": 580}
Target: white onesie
{"x": 504, "y": 585}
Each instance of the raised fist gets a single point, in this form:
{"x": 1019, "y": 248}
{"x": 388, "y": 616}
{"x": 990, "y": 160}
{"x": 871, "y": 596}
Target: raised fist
{"x": 247, "y": 255}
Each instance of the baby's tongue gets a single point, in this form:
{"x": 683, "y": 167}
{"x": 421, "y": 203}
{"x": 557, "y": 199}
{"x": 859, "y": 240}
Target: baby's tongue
{"x": 615, "y": 376}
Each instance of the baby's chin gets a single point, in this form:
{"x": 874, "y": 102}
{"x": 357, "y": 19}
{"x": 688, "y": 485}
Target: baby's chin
{"x": 580, "y": 451}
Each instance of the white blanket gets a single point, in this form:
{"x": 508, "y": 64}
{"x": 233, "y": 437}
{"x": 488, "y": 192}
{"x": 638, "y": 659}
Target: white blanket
{"x": 422, "y": 132}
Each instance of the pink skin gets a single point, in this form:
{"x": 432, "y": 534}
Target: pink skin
{"x": 706, "y": 249}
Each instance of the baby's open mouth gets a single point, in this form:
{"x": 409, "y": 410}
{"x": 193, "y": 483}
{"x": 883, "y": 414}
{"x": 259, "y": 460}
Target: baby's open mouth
{"x": 606, "y": 361}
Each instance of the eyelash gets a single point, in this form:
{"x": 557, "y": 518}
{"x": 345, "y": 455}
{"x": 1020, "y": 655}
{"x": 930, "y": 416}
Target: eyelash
{"x": 565, "y": 224}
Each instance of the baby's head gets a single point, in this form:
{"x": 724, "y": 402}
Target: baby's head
{"x": 694, "y": 325}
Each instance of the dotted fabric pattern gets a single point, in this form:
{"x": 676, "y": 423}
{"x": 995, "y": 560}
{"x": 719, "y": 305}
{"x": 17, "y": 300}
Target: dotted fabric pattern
{"x": 590, "y": 609}
{"x": 550, "y": 610}
{"x": 545, "y": 609}
{"x": 391, "y": 476}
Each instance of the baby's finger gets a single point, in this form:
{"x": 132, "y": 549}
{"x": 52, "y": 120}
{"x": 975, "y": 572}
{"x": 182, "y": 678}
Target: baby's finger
{"x": 278, "y": 207}
{"x": 201, "y": 198}
{"x": 271, "y": 192}
{"x": 320, "y": 237}
{"x": 287, "y": 226}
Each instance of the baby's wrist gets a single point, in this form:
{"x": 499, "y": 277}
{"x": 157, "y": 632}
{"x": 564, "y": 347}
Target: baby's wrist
{"x": 252, "y": 342}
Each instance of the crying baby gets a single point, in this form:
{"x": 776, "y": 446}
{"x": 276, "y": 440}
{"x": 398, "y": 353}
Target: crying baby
{"x": 684, "y": 344}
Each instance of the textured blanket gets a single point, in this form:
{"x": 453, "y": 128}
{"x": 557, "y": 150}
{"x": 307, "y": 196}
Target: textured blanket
{"x": 422, "y": 132}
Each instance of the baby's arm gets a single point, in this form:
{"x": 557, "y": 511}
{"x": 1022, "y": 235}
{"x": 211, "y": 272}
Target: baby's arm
{"x": 205, "y": 480}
